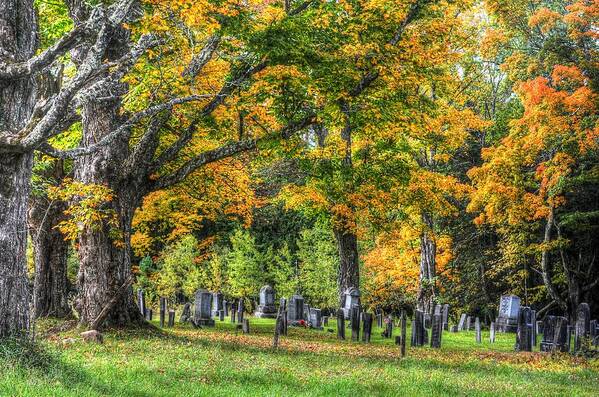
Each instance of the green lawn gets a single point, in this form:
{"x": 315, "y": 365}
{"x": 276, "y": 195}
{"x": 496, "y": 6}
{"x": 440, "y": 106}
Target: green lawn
{"x": 217, "y": 362}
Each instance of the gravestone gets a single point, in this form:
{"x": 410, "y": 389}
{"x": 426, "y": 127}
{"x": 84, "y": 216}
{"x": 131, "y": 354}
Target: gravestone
{"x": 539, "y": 327}
{"x": 492, "y": 332}
{"x": 366, "y": 327}
{"x": 240, "y": 310}
{"x": 462, "y": 322}
{"x": 351, "y": 297}
{"x": 582, "y": 328}
{"x": 233, "y": 314}
{"x": 325, "y": 321}
{"x": 533, "y": 328}
{"x": 266, "y": 308}
{"x": 186, "y": 313}
{"x": 477, "y": 330}
{"x": 203, "y": 309}
{"x": 403, "y": 324}
{"x": 388, "y": 332}
{"x": 315, "y": 318}
{"x": 171, "y": 318}
{"x": 555, "y": 330}
{"x": 594, "y": 332}
{"x": 379, "y": 320}
{"x": 217, "y": 303}
{"x": 419, "y": 337}
{"x": 306, "y": 312}
{"x": 445, "y": 317}
{"x": 295, "y": 311}
{"x": 523, "y": 337}
{"x": 245, "y": 326}
{"x": 454, "y": 328}
{"x": 355, "y": 323}
{"x": 162, "y": 311}
{"x": 221, "y": 315}
{"x": 340, "y": 324}
{"x": 427, "y": 320}
{"x": 226, "y": 305}
{"x": 509, "y": 308}
{"x": 149, "y": 313}
{"x": 436, "y": 329}
{"x": 468, "y": 323}
{"x": 141, "y": 301}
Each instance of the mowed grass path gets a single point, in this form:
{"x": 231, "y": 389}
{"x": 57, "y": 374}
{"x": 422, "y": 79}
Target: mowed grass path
{"x": 218, "y": 362}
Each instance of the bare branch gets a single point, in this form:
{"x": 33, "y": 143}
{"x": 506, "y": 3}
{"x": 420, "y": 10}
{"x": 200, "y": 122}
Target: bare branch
{"x": 200, "y": 60}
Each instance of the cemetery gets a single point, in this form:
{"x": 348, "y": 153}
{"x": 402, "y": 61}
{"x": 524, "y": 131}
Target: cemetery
{"x": 299, "y": 198}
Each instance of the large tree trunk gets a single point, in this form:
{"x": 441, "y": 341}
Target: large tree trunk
{"x": 428, "y": 272}
{"x": 349, "y": 264}
{"x": 18, "y": 42}
{"x": 51, "y": 287}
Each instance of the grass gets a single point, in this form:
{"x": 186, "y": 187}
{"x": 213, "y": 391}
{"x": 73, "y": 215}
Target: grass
{"x": 218, "y": 362}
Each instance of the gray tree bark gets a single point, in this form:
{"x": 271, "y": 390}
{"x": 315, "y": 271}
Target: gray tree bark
{"x": 428, "y": 272}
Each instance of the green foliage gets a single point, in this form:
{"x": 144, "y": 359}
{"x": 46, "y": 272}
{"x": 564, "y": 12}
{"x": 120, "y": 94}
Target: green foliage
{"x": 246, "y": 268}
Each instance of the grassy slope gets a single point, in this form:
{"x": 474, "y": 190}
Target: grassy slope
{"x": 216, "y": 362}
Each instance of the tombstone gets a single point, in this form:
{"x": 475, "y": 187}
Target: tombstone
{"x": 171, "y": 318}
{"x": 226, "y": 307}
{"x": 240, "y": 310}
{"x": 582, "y": 328}
{"x": 418, "y": 330}
{"x": 509, "y": 308}
{"x": 436, "y": 329}
{"x": 306, "y": 314}
{"x": 355, "y": 323}
{"x": 492, "y": 332}
{"x": 217, "y": 303}
{"x": 316, "y": 318}
{"x": 162, "y": 311}
{"x": 445, "y": 317}
{"x": 462, "y": 321}
{"x": 325, "y": 321}
{"x": 477, "y": 330}
{"x": 454, "y": 328}
{"x": 295, "y": 311}
{"x": 403, "y": 325}
{"x": 367, "y": 319}
{"x": 245, "y": 326}
{"x": 186, "y": 313}
{"x": 468, "y": 323}
{"x": 340, "y": 324}
{"x": 141, "y": 301}
{"x": 203, "y": 309}
{"x": 233, "y": 314}
{"x": 379, "y": 320}
{"x": 594, "y": 332}
{"x": 427, "y": 320}
{"x": 266, "y": 306}
{"x": 555, "y": 329}
{"x": 221, "y": 315}
{"x": 523, "y": 337}
{"x": 533, "y": 328}
{"x": 149, "y": 313}
{"x": 539, "y": 327}
{"x": 351, "y": 297}
{"x": 388, "y": 332}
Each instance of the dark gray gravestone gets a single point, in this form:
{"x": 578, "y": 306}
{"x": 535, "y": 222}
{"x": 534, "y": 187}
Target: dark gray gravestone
{"x": 418, "y": 331}
{"x": 221, "y": 315}
{"x": 141, "y": 301}
{"x": 266, "y": 307}
{"x": 186, "y": 313}
{"x": 492, "y": 332}
{"x": 436, "y": 330}
{"x": 355, "y": 323}
{"x": 454, "y": 328}
{"x": 240, "y": 310}
{"x": 245, "y": 327}
{"x": 340, "y": 324}
{"x": 427, "y": 320}
{"x": 388, "y": 332}
{"x": 171, "y": 318}
{"x": 325, "y": 321}
{"x": 582, "y": 328}
{"x": 351, "y": 297}
{"x": 226, "y": 305}
{"x": 217, "y": 303}
{"x": 477, "y": 330}
{"x": 162, "y": 311}
{"x": 509, "y": 308}
{"x": 379, "y": 320}
{"x": 403, "y": 324}
{"x": 462, "y": 322}
{"x": 555, "y": 331}
{"x": 202, "y": 315}
{"x": 148, "y": 314}
{"x": 315, "y": 318}
{"x": 445, "y": 317}
{"x": 468, "y": 323}
{"x": 533, "y": 328}
{"x": 523, "y": 337}
{"x": 366, "y": 327}
{"x": 295, "y": 310}
{"x": 233, "y": 314}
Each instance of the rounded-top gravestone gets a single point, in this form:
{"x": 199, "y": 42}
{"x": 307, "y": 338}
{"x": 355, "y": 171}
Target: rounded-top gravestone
{"x": 266, "y": 308}
{"x": 351, "y": 298}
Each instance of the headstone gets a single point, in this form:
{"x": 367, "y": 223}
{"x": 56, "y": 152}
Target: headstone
{"x": 462, "y": 322}
{"x": 379, "y": 320}
{"x": 477, "y": 330}
{"x": 245, "y": 327}
{"x": 340, "y": 324}
{"x": 295, "y": 310}
{"x": 233, "y": 314}
{"x": 351, "y": 297}
{"x": 367, "y": 319}
{"x": 436, "y": 330}
{"x": 186, "y": 313}
{"x": 162, "y": 311}
{"x": 266, "y": 307}
{"x": 217, "y": 303}
{"x": 427, "y": 320}
{"x": 594, "y": 332}
{"x": 325, "y": 321}
{"x": 468, "y": 323}
{"x": 315, "y": 318}
{"x": 203, "y": 309}
{"x": 454, "y": 328}
{"x": 509, "y": 308}
{"x": 221, "y": 315}
{"x": 240, "y": 310}
{"x": 492, "y": 332}
{"x": 149, "y": 313}
{"x": 582, "y": 328}
{"x": 226, "y": 305}
{"x": 355, "y": 323}
{"x": 171, "y": 318}
{"x": 403, "y": 333}
{"x": 306, "y": 312}
{"x": 555, "y": 331}
{"x": 418, "y": 330}
{"x": 388, "y": 332}
{"x": 445, "y": 317}
{"x": 141, "y": 301}
{"x": 523, "y": 337}
{"x": 533, "y": 328}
